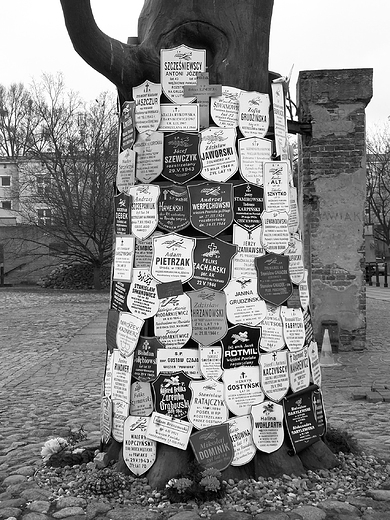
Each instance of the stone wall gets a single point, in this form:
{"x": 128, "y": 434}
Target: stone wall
{"x": 332, "y": 186}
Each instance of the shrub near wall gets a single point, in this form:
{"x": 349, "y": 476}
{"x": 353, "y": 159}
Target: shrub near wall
{"x": 75, "y": 276}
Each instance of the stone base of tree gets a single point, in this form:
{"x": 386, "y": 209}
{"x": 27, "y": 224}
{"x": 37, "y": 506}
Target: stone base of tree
{"x": 172, "y": 462}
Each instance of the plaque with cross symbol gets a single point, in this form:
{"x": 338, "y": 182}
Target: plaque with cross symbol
{"x": 203, "y": 92}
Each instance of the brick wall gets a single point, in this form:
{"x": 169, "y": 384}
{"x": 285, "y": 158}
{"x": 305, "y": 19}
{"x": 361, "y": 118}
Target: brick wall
{"x": 332, "y": 188}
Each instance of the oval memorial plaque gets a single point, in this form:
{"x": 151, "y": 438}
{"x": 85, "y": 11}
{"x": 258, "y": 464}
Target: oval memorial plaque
{"x": 253, "y": 114}
{"x": 213, "y": 447}
{"x": 218, "y": 153}
{"x": 145, "y": 359}
{"x": 147, "y": 106}
{"x": 207, "y": 407}
{"x": 208, "y": 313}
{"x": 240, "y": 431}
{"x": 144, "y": 216}
{"x": 242, "y": 389}
{"x": 268, "y": 431}
{"x": 149, "y": 159}
{"x": 248, "y": 205}
{"x": 253, "y": 153}
{"x": 249, "y": 247}
{"x": 293, "y": 328}
{"x": 172, "y": 323}
{"x": 142, "y": 300}
{"x": 224, "y": 108}
{"x": 172, "y": 394}
{"x": 128, "y": 331}
{"x": 244, "y": 305}
{"x": 139, "y": 452}
{"x": 173, "y": 258}
{"x": 210, "y": 359}
{"x": 241, "y": 346}
{"x": 141, "y": 401}
{"x": 274, "y": 374}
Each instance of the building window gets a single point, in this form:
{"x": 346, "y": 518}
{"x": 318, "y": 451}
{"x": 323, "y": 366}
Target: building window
{"x": 5, "y": 180}
{"x": 44, "y": 217}
{"x": 42, "y": 184}
{"x": 6, "y": 204}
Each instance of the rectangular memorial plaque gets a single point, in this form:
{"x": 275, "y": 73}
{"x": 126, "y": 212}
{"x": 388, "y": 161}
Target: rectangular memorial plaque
{"x": 179, "y": 117}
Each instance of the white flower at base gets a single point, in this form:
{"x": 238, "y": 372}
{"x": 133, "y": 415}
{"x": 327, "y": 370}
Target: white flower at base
{"x": 52, "y": 446}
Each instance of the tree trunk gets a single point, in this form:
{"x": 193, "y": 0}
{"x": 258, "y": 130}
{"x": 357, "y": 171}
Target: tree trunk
{"x": 97, "y": 271}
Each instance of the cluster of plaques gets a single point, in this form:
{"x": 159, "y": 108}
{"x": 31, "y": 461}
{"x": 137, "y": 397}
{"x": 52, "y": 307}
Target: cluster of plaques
{"x": 209, "y": 334}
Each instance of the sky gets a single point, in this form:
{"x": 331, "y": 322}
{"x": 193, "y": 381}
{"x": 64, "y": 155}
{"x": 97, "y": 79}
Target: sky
{"x": 309, "y": 34}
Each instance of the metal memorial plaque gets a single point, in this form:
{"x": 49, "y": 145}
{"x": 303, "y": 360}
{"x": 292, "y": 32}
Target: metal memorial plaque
{"x": 210, "y": 359}
{"x": 169, "y": 289}
{"x": 224, "y": 108}
{"x": 173, "y": 208}
{"x": 111, "y": 328}
{"x": 304, "y": 295}
{"x": 319, "y": 412}
{"x": 248, "y": 205}
{"x": 172, "y": 323}
{"x": 299, "y": 369}
{"x": 268, "y": 431}
{"x": 240, "y": 431}
{"x": 218, "y": 153}
{"x": 147, "y": 106}
{"x": 253, "y": 118}
{"x": 315, "y": 367}
{"x": 166, "y": 430}
{"x": 280, "y": 122}
{"x": 253, "y": 153}
{"x": 122, "y": 214}
{"x": 249, "y": 247}
{"x": 207, "y": 407}
{"x": 295, "y": 265}
{"x": 212, "y": 263}
{"x": 105, "y": 418}
{"x": 179, "y": 67}
{"x": 273, "y": 279}
{"x": 123, "y": 258}
{"x": 301, "y": 419}
{"x": 121, "y": 376}
{"x": 119, "y": 293}
{"x": 144, "y": 216}
{"x": 272, "y": 338}
{"x": 242, "y": 389}
{"x": 181, "y": 157}
{"x": 149, "y": 158}
{"x": 211, "y": 207}
{"x": 173, "y": 258}
{"x": 241, "y": 347}
{"x": 143, "y": 253}
{"x": 308, "y": 326}
{"x": 208, "y": 314}
{"x": 179, "y": 117}
{"x": 120, "y": 411}
{"x": 142, "y": 300}
{"x": 213, "y": 447}
{"x": 125, "y": 177}
{"x": 107, "y": 382}
{"x": 145, "y": 359}
{"x": 275, "y": 235}
{"x": 141, "y": 401}
{"x": 139, "y": 453}
{"x": 274, "y": 374}
{"x": 276, "y": 186}
{"x": 170, "y": 360}
{"x": 293, "y": 216}
{"x": 127, "y": 125}
{"x": 293, "y": 328}
{"x": 128, "y": 331}
{"x": 172, "y": 394}
{"x": 244, "y": 305}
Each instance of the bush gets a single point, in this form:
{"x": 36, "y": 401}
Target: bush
{"x": 75, "y": 276}
{"x": 340, "y": 440}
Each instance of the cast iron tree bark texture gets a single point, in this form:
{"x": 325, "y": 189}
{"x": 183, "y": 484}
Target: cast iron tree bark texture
{"x": 235, "y": 34}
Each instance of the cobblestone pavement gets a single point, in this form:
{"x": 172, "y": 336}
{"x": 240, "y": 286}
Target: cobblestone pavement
{"x": 52, "y": 359}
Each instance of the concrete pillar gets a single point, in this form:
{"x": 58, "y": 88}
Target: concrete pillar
{"x": 332, "y": 172}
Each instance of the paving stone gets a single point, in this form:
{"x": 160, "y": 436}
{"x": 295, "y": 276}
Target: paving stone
{"x": 14, "y": 479}
{"x": 39, "y": 506}
{"x": 373, "y": 397}
{"x": 379, "y": 494}
{"x": 65, "y": 502}
{"x": 338, "y": 507}
{"x": 35, "y": 516}
{"x": 68, "y": 512}
{"x": 8, "y": 512}
{"x": 310, "y": 513}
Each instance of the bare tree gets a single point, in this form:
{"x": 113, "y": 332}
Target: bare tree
{"x": 66, "y": 186}
{"x": 378, "y": 182}
{"x": 18, "y": 121}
